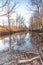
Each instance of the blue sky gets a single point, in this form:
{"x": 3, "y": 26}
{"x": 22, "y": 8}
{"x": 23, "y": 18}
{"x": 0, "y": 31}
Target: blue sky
{"x": 21, "y": 9}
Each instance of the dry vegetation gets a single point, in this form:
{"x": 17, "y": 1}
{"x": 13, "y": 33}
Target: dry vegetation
{"x": 36, "y": 23}
{"x": 5, "y": 29}
{"x": 36, "y": 20}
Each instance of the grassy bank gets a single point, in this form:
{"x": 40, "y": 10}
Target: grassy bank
{"x": 4, "y": 30}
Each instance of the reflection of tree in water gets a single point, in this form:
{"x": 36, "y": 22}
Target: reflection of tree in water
{"x": 21, "y": 40}
{"x": 37, "y": 40}
{"x": 5, "y": 41}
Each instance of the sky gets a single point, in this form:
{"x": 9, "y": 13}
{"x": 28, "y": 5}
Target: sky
{"x": 21, "y": 9}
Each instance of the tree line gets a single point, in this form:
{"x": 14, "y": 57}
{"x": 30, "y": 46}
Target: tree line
{"x": 36, "y": 20}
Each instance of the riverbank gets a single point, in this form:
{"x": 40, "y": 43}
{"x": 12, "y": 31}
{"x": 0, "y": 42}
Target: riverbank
{"x": 37, "y": 30}
{"x": 8, "y": 58}
{"x": 14, "y": 34}
{"x": 4, "y": 30}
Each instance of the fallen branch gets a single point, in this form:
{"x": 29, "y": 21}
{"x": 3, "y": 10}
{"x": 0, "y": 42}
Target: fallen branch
{"x": 28, "y": 60}
{"x": 23, "y": 61}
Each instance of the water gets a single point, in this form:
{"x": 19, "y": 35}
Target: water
{"x": 19, "y": 42}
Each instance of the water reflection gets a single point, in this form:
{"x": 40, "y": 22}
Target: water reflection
{"x": 19, "y": 41}
{"x": 3, "y": 46}
{"x": 22, "y": 41}
{"x": 37, "y": 40}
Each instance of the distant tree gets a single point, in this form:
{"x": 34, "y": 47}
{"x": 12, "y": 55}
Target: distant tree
{"x": 35, "y": 23}
{"x": 20, "y": 21}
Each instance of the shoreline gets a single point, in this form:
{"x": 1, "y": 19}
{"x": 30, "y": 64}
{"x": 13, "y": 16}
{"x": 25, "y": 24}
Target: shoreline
{"x": 11, "y": 32}
{"x": 6, "y": 30}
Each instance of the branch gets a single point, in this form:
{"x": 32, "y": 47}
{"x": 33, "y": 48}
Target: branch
{"x": 31, "y": 9}
{"x": 23, "y": 61}
{"x": 4, "y": 4}
{"x": 28, "y": 60}
{"x": 9, "y": 11}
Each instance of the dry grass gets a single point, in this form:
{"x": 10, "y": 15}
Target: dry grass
{"x": 5, "y": 28}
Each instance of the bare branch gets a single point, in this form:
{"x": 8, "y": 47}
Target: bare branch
{"x": 9, "y": 11}
{"x": 4, "y": 4}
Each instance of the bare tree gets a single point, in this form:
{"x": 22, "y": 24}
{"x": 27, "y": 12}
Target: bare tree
{"x": 36, "y": 7}
{"x": 20, "y": 20}
{"x": 36, "y": 4}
